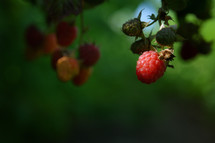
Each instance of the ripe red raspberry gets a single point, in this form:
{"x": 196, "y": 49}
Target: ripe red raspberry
{"x": 149, "y": 68}
{"x": 89, "y": 54}
{"x": 50, "y": 43}
{"x": 83, "y": 76}
{"x": 66, "y": 33}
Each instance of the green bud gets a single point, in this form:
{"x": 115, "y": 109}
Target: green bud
{"x": 132, "y": 27}
{"x": 140, "y": 46}
{"x": 166, "y": 37}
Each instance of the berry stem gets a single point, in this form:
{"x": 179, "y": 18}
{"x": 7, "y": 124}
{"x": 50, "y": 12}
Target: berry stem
{"x": 143, "y": 36}
{"x": 152, "y": 22}
{"x": 82, "y": 24}
{"x": 164, "y": 4}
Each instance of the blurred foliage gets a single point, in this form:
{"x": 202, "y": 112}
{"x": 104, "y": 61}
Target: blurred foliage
{"x": 113, "y": 106}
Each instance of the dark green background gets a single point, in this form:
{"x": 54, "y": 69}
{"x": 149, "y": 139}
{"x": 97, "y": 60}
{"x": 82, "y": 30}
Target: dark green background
{"x": 113, "y": 106}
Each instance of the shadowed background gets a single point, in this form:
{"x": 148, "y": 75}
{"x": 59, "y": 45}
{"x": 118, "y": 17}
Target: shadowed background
{"x": 113, "y": 106}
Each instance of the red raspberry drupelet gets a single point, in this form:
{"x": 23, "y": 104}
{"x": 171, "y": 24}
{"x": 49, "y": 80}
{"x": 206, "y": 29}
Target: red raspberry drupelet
{"x": 149, "y": 67}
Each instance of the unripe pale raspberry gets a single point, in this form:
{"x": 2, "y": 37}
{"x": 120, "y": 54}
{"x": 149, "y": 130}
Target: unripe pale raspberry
{"x": 149, "y": 68}
{"x": 89, "y": 54}
{"x": 166, "y": 37}
{"x": 66, "y": 33}
{"x": 67, "y": 68}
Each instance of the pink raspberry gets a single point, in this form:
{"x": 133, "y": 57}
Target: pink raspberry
{"x": 149, "y": 67}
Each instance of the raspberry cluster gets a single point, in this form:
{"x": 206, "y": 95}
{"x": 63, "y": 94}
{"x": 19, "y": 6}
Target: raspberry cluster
{"x": 194, "y": 44}
{"x": 71, "y": 61}
{"x": 75, "y": 68}
{"x": 154, "y": 58}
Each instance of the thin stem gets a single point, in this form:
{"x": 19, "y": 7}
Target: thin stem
{"x": 152, "y": 22}
{"x": 82, "y": 24}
